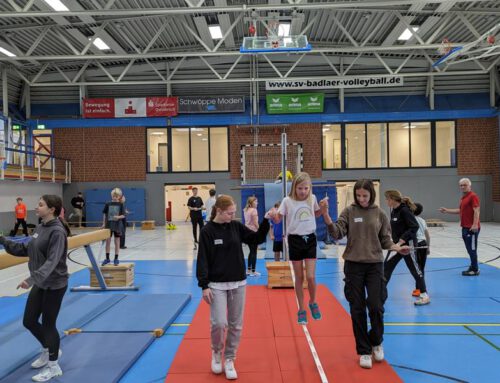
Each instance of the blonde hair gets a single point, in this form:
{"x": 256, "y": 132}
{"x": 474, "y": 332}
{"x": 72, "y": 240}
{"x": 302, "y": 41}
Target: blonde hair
{"x": 116, "y": 192}
{"x": 396, "y": 195}
{"x": 250, "y": 201}
{"x": 298, "y": 179}
{"x": 222, "y": 202}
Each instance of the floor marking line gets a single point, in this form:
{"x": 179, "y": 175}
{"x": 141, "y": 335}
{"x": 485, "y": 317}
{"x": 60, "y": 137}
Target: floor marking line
{"x": 483, "y": 338}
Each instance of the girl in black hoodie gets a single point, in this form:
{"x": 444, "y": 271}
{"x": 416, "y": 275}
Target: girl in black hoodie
{"x": 404, "y": 227}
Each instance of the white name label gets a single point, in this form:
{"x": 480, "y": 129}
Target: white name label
{"x": 35, "y": 235}
{"x": 358, "y": 219}
{"x": 218, "y": 242}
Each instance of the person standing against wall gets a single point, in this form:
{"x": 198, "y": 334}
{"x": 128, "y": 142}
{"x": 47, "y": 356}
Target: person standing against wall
{"x": 195, "y": 205}
{"x": 78, "y": 203}
{"x": 210, "y": 204}
{"x": 469, "y": 211}
{"x": 252, "y": 222}
{"x": 21, "y": 213}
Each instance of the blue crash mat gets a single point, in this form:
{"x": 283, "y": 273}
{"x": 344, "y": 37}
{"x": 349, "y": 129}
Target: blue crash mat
{"x": 17, "y": 345}
{"x": 140, "y": 313}
{"x": 92, "y": 358}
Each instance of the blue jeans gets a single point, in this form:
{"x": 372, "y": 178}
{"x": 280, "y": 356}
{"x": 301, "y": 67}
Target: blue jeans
{"x": 470, "y": 240}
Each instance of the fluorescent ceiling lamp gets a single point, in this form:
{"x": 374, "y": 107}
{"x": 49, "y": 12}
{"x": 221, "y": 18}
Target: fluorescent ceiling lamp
{"x": 101, "y": 44}
{"x": 57, "y": 5}
{"x": 199, "y": 134}
{"x": 6, "y": 52}
{"x": 284, "y": 29}
{"x": 215, "y": 32}
{"x": 406, "y": 35}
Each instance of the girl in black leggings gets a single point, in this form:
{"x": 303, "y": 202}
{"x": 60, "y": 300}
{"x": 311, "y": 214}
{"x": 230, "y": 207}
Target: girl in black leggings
{"x": 404, "y": 229}
{"x": 48, "y": 280}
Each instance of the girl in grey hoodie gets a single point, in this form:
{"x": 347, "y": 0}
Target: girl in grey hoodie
{"x": 368, "y": 233}
{"x": 48, "y": 280}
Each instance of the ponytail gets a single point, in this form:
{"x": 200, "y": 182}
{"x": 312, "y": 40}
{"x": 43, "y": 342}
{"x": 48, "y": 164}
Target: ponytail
{"x": 409, "y": 203}
{"x": 66, "y": 226}
{"x": 222, "y": 202}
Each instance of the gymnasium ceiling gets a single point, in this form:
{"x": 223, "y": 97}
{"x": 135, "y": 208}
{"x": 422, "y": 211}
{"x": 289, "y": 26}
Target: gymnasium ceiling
{"x": 163, "y": 47}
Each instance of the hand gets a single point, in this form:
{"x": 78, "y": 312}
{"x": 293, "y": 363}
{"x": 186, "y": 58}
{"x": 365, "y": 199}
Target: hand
{"x": 208, "y": 296}
{"x": 23, "y": 285}
{"x": 428, "y": 252}
{"x": 323, "y": 204}
{"x": 474, "y": 228}
{"x": 405, "y": 250}
{"x": 272, "y": 237}
{"x": 271, "y": 213}
{"x": 443, "y": 210}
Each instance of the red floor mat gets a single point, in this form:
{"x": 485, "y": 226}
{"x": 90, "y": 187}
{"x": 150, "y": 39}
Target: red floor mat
{"x": 273, "y": 347}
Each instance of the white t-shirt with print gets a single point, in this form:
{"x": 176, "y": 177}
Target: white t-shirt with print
{"x": 300, "y": 218}
{"x": 422, "y": 227}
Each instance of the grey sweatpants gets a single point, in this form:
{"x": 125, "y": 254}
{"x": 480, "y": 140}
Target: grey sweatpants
{"x": 226, "y": 311}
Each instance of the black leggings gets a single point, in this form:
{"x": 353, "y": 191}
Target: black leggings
{"x": 22, "y": 222}
{"x": 392, "y": 260}
{"x": 44, "y": 303}
{"x": 196, "y": 220}
{"x": 252, "y": 256}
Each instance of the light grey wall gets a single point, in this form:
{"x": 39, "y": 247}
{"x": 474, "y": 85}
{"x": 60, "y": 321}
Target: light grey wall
{"x": 30, "y": 192}
{"x": 433, "y": 188}
{"x": 155, "y": 189}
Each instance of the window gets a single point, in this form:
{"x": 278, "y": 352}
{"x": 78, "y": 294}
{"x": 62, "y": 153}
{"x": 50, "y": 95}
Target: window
{"x": 399, "y": 145}
{"x": 377, "y": 145}
{"x": 158, "y": 150}
{"x": 355, "y": 146}
{"x": 199, "y": 149}
{"x": 420, "y": 133}
{"x": 187, "y": 149}
{"x": 332, "y": 151}
{"x": 218, "y": 149}
{"x": 445, "y": 143}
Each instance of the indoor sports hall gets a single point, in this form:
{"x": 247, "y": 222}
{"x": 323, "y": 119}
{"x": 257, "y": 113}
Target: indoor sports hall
{"x": 255, "y": 191}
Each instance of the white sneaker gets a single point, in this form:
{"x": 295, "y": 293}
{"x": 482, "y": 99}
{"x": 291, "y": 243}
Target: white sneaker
{"x": 216, "y": 362}
{"x": 249, "y": 272}
{"x": 230, "y": 370}
{"x": 422, "y": 300}
{"x": 43, "y": 359}
{"x": 48, "y": 372}
{"x": 365, "y": 361}
{"x": 256, "y": 274}
{"x": 378, "y": 353}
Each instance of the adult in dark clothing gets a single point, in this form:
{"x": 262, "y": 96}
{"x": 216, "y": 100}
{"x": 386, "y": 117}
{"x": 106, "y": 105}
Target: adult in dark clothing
{"x": 368, "y": 233}
{"x": 78, "y": 203}
{"x": 404, "y": 227}
{"x": 48, "y": 279}
{"x": 220, "y": 270}
{"x": 195, "y": 205}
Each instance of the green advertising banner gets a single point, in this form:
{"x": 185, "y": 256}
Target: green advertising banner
{"x": 295, "y": 103}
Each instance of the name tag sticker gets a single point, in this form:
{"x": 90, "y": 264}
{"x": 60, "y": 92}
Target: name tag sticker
{"x": 358, "y": 219}
{"x": 394, "y": 219}
{"x": 218, "y": 242}
{"x": 35, "y": 235}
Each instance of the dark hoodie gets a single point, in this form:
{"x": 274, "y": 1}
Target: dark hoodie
{"x": 404, "y": 225}
{"x": 47, "y": 252}
{"x": 367, "y": 230}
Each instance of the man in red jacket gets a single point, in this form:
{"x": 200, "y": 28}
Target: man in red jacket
{"x": 469, "y": 221}
{"x": 21, "y": 214}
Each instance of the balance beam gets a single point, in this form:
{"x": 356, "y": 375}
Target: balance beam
{"x": 7, "y": 260}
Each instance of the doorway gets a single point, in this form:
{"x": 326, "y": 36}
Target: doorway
{"x": 176, "y": 197}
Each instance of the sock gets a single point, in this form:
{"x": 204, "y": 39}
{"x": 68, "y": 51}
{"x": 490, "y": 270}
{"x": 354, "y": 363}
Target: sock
{"x": 107, "y": 256}
{"x": 116, "y": 257}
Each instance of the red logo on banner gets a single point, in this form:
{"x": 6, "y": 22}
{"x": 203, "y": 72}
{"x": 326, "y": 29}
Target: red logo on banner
{"x": 98, "y": 108}
{"x": 161, "y": 106}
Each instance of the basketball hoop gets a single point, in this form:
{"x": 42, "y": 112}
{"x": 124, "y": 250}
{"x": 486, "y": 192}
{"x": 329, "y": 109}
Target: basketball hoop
{"x": 445, "y": 47}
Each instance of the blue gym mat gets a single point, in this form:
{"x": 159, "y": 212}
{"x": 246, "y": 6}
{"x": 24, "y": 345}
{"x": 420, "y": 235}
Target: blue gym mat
{"x": 17, "y": 345}
{"x": 92, "y": 358}
{"x": 140, "y": 313}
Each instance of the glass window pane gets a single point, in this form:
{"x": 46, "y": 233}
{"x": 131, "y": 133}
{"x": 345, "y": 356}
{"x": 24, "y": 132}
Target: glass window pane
{"x": 377, "y": 145}
{"x": 331, "y": 147}
{"x": 399, "y": 145}
{"x": 355, "y": 145}
{"x": 180, "y": 150}
{"x": 218, "y": 149}
{"x": 445, "y": 143}
{"x": 199, "y": 149}
{"x": 420, "y": 143}
{"x": 157, "y": 150}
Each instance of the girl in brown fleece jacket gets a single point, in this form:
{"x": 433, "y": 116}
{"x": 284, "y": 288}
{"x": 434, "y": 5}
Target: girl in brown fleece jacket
{"x": 368, "y": 233}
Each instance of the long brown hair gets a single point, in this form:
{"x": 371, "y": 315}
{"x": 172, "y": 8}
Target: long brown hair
{"x": 54, "y": 201}
{"x": 298, "y": 179}
{"x": 222, "y": 202}
{"x": 396, "y": 195}
{"x": 366, "y": 185}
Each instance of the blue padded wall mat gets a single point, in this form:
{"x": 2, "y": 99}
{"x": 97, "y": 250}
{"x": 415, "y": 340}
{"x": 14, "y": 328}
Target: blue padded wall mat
{"x": 92, "y": 358}
{"x": 140, "y": 313}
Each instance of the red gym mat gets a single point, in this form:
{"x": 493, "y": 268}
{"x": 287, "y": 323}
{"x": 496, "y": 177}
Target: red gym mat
{"x": 273, "y": 347}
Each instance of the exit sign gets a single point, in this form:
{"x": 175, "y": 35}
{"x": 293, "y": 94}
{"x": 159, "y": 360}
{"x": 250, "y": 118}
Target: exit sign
{"x": 40, "y": 127}
{"x": 16, "y": 127}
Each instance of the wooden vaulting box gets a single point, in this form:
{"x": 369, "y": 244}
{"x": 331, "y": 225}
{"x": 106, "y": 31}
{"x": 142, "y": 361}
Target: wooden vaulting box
{"x": 115, "y": 276}
{"x": 279, "y": 275}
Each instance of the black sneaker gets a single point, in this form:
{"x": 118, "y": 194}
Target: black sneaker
{"x": 470, "y": 273}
